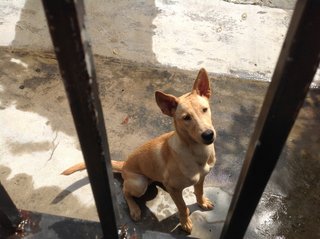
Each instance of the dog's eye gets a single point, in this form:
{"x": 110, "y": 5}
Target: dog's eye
{"x": 204, "y": 110}
{"x": 187, "y": 117}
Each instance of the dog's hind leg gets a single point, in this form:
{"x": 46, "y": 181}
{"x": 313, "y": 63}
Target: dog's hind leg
{"x": 134, "y": 185}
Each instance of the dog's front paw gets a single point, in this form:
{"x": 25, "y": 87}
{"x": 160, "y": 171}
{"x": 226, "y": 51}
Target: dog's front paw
{"x": 186, "y": 224}
{"x": 205, "y": 203}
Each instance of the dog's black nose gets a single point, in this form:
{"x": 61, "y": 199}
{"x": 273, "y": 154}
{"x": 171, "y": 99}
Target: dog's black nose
{"x": 207, "y": 135}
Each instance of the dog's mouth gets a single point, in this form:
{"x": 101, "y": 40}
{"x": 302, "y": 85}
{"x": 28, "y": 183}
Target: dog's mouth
{"x": 208, "y": 142}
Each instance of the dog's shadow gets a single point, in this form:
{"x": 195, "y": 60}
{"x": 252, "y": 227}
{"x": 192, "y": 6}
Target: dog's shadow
{"x": 148, "y": 221}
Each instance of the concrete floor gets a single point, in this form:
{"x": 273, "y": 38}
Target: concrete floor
{"x": 38, "y": 141}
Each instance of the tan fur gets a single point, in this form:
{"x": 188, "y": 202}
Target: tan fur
{"x": 177, "y": 159}
{"x": 74, "y": 168}
{"x": 116, "y": 166}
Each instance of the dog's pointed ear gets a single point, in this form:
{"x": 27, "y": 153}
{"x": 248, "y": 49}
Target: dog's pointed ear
{"x": 167, "y": 103}
{"x": 202, "y": 85}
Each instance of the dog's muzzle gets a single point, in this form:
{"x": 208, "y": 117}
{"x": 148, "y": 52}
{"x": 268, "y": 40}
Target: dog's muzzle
{"x": 208, "y": 136}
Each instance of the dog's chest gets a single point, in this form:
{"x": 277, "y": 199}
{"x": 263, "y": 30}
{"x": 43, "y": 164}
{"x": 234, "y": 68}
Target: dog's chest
{"x": 195, "y": 164}
{"x": 188, "y": 164}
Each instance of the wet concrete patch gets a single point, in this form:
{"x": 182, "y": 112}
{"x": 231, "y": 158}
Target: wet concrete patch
{"x": 288, "y": 208}
{"x": 17, "y": 148}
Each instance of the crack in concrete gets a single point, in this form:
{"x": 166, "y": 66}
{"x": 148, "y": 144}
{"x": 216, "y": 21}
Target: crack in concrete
{"x": 54, "y": 146}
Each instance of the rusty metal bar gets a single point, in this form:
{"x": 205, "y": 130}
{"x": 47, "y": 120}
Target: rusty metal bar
{"x": 67, "y": 28}
{"x": 9, "y": 215}
{"x": 290, "y": 83}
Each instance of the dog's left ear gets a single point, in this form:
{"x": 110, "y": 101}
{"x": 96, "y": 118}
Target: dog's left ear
{"x": 201, "y": 85}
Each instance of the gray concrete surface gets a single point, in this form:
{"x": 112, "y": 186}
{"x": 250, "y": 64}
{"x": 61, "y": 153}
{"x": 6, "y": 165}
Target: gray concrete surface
{"x": 237, "y": 38}
{"x": 38, "y": 141}
{"x": 143, "y": 46}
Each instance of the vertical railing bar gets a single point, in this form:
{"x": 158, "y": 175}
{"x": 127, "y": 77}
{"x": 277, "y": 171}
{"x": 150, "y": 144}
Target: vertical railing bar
{"x": 67, "y": 28}
{"x": 291, "y": 80}
{"x": 9, "y": 214}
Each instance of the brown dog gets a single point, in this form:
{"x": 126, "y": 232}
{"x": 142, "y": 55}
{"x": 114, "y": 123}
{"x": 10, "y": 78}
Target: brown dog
{"x": 177, "y": 159}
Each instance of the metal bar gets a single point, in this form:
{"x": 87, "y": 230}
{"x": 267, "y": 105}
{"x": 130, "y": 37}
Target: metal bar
{"x": 9, "y": 215}
{"x": 291, "y": 80}
{"x": 67, "y": 28}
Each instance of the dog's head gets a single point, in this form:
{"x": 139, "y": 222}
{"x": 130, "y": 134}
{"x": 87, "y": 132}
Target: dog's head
{"x": 191, "y": 112}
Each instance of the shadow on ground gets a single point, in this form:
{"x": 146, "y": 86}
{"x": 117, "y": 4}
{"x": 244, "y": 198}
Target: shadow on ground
{"x": 122, "y": 29}
{"x": 21, "y": 189}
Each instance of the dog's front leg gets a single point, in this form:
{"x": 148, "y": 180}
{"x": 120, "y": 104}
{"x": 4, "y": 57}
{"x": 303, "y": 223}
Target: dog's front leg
{"x": 185, "y": 221}
{"x": 202, "y": 201}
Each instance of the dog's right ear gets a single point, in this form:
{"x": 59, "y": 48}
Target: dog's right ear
{"x": 167, "y": 103}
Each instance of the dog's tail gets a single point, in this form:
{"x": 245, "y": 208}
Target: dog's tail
{"x": 116, "y": 166}
{"x": 74, "y": 168}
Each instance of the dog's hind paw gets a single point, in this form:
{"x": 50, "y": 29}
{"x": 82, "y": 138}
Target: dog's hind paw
{"x": 205, "y": 203}
{"x": 135, "y": 214}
